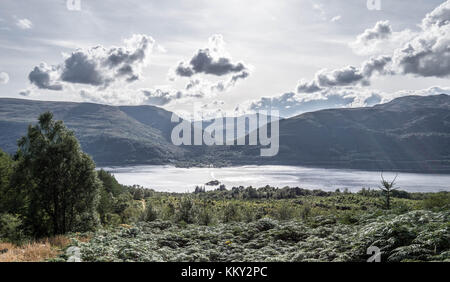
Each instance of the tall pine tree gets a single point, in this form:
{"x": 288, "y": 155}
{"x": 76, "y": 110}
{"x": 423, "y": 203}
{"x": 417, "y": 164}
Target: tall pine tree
{"x": 58, "y": 180}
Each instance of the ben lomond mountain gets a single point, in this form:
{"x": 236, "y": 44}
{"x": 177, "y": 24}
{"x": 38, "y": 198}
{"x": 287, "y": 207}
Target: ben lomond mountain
{"x": 409, "y": 133}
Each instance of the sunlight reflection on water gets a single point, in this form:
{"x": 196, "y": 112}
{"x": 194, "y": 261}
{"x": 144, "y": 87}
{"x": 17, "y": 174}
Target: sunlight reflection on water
{"x": 173, "y": 179}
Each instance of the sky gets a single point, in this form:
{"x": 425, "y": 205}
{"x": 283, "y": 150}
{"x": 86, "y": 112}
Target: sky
{"x": 233, "y": 56}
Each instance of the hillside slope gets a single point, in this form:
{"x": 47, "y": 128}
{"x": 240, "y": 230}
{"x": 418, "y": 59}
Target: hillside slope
{"x": 408, "y": 133}
{"x": 110, "y": 134}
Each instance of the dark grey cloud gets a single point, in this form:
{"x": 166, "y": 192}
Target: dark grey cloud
{"x": 203, "y": 62}
{"x": 308, "y": 87}
{"x": 212, "y": 60}
{"x": 340, "y": 77}
{"x": 98, "y": 66}
{"x": 425, "y": 60}
{"x": 40, "y": 76}
{"x": 80, "y": 68}
{"x": 377, "y": 64}
{"x": 243, "y": 75}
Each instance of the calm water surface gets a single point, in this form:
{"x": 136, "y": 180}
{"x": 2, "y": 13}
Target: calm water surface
{"x": 173, "y": 179}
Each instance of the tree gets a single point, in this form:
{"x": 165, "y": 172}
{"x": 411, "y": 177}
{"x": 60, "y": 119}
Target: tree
{"x": 110, "y": 183}
{"x": 59, "y": 180}
{"x": 6, "y": 169}
{"x": 387, "y": 188}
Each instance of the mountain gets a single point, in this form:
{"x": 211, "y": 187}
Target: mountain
{"x": 410, "y": 133}
{"x": 232, "y": 124}
{"x": 112, "y": 135}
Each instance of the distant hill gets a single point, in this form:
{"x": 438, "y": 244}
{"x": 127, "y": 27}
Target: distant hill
{"x": 112, "y": 135}
{"x": 237, "y": 122}
{"x": 410, "y": 133}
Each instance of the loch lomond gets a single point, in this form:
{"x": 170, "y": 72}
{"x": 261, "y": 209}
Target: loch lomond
{"x": 174, "y": 179}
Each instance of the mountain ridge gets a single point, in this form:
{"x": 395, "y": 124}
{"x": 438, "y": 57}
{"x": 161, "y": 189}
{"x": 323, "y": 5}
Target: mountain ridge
{"x": 410, "y": 133}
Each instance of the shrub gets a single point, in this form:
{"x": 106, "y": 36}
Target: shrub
{"x": 305, "y": 212}
{"x": 265, "y": 224}
{"x": 230, "y": 213}
{"x": 249, "y": 214}
{"x": 112, "y": 219}
{"x": 185, "y": 212}
{"x": 10, "y": 228}
{"x": 132, "y": 213}
{"x": 205, "y": 216}
{"x": 285, "y": 212}
{"x": 168, "y": 211}
{"x": 348, "y": 218}
{"x": 32, "y": 252}
{"x": 437, "y": 201}
{"x": 86, "y": 221}
{"x": 150, "y": 213}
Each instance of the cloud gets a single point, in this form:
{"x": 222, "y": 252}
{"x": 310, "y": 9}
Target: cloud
{"x": 346, "y": 76}
{"x": 98, "y": 66}
{"x": 428, "y": 54}
{"x": 83, "y": 68}
{"x": 381, "y": 30}
{"x": 381, "y": 39}
{"x": 307, "y": 87}
{"x": 43, "y": 76}
{"x": 24, "y": 23}
{"x": 336, "y": 18}
{"x": 211, "y": 60}
{"x": 423, "y": 53}
{"x": 438, "y": 17}
{"x": 208, "y": 88}
{"x": 25, "y": 92}
{"x": 112, "y": 97}
{"x": 340, "y": 77}
{"x": 377, "y": 64}
{"x": 158, "y": 96}
{"x": 4, "y": 78}
{"x": 291, "y": 104}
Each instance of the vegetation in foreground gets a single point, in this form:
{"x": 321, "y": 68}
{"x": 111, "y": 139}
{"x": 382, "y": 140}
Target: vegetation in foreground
{"x": 413, "y": 236}
{"x": 50, "y": 189}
